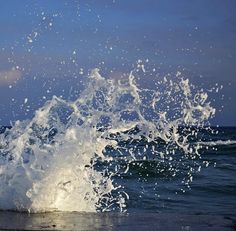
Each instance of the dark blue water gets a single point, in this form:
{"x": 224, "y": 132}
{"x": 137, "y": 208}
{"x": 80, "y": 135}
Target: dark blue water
{"x": 155, "y": 185}
{"x": 153, "y": 188}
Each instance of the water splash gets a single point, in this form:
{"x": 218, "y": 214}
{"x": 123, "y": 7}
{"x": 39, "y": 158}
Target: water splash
{"x": 66, "y": 157}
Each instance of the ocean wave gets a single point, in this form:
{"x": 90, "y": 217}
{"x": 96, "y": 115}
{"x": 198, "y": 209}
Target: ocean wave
{"x": 52, "y": 161}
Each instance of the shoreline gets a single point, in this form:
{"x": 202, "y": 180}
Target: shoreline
{"x": 113, "y": 221}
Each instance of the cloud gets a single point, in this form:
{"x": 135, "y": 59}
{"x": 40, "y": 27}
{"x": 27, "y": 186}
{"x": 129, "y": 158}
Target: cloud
{"x": 10, "y": 76}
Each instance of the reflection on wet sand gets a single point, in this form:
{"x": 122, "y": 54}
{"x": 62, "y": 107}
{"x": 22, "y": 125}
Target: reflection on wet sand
{"x": 112, "y": 221}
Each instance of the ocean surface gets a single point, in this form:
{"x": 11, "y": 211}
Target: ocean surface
{"x": 152, "y": 187}
{"x": 212, "y": 190}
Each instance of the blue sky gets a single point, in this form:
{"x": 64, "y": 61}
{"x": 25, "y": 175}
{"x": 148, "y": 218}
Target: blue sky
{"x": 48, "y": 47}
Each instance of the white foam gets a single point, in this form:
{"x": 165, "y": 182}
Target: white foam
{"x": 218, "y": 142}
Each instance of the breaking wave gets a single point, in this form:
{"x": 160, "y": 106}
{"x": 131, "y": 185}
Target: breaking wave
{"x": 67, "y": 157}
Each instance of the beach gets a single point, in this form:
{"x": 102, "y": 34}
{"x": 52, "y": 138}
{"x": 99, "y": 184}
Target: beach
{"x": 113, "y": 221}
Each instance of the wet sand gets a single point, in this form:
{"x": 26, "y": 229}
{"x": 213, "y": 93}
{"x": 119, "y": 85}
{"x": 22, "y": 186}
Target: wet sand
{"x": 113, "y": 221}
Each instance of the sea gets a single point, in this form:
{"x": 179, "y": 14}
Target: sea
{"x": 120, "y": 156}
